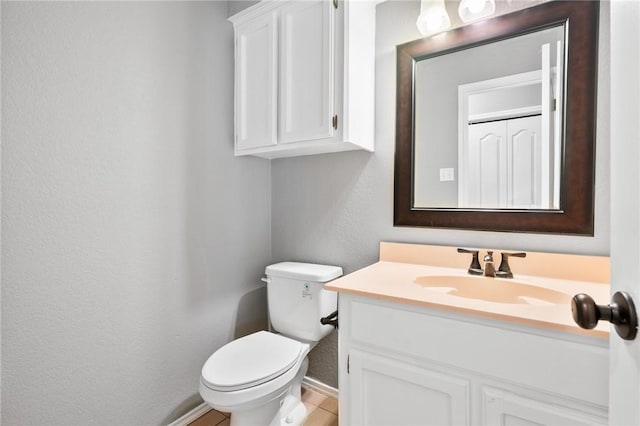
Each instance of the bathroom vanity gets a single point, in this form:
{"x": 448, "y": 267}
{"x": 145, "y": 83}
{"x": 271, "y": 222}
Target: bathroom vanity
{"x": 414, "y": 350}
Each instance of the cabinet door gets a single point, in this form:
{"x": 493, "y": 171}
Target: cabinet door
{"x": 502, "y": 408}
{"x": 256, "y": 72}
{"x": 383, "y": 391}
{"x": 306, "y": 102}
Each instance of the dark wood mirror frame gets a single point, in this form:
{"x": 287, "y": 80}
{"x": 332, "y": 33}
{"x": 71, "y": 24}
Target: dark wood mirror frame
{"x": 575, "y": 215}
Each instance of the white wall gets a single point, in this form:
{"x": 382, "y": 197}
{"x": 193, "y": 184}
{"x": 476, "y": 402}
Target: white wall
{"x": 133, "y": 241}
{"x": 340, "y": 206}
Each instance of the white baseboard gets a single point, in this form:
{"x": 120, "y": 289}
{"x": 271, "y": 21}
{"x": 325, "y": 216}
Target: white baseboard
{"x": 203, "y": 408}
{"x": 318, "y": 386}
{"x": 192, "y": 415}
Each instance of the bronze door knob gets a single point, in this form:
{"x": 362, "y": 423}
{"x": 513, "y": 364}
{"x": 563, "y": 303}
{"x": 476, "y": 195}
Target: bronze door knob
{"x": 621, "y": 313}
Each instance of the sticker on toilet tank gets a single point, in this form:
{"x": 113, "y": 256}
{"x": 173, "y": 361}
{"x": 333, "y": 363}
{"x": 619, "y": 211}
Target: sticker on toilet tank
{"x": 306, "y": 291}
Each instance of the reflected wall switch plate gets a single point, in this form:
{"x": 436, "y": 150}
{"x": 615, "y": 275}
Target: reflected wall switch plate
{"x": 446, "y": 175}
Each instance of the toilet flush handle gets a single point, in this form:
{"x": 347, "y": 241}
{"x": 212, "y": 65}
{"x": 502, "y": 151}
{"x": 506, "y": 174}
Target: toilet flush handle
{"x": 331, "y": 319}
{"x": 265, "y": 280}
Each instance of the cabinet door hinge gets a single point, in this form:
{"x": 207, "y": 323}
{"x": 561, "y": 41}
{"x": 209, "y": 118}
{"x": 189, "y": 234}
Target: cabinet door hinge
{"x": 335, "y": 4}
{"x": 335, "y": 122}
{"x": 347, "y": 364}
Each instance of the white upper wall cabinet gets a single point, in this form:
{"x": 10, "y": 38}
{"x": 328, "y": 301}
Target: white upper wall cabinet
{"x": 304, "y": 77}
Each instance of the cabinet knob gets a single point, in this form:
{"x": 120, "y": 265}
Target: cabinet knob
{"x": 621, "y": 313}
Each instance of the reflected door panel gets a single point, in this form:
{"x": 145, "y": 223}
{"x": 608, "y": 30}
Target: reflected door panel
{"x": 524, "y": 168}
{"x": 486, "y": 179}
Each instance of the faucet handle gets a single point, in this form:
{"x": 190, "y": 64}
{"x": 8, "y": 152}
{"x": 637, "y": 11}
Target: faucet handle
{"x": 474, "y": 268}
{"x": 504, "y": 271}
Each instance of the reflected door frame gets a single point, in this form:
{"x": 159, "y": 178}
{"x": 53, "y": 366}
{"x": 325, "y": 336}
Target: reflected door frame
{"x": 467, "y": 169}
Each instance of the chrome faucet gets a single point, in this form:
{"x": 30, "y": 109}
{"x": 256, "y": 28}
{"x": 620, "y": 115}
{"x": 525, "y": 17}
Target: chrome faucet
{"x": 489, "y": 269}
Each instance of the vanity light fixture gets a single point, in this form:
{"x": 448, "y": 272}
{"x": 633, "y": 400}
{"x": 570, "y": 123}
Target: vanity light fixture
{"x": 471, "y": 10}
{"x": 433, "y": 17}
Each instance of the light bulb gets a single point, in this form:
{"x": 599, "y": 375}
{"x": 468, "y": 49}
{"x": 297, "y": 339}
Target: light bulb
{"x": 471, "y": 10}
{"x": 433, "y": 17}
{"x": 475, "y": 6}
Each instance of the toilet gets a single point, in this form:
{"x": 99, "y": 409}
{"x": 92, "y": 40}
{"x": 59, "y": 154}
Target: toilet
{"x": 258, "y": 378}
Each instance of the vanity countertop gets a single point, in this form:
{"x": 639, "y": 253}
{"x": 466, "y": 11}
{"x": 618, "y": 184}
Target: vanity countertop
{"x": 396, "y": 278}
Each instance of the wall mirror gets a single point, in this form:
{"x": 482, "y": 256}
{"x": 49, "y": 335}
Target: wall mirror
{"x": 495, "y": 124}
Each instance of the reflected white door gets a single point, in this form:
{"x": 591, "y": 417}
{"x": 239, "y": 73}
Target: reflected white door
{"x": 624, "y": 362}
{"x": 504, "y": 164}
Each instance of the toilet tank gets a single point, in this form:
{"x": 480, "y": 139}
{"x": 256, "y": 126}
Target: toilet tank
{"x": 297, "y": 298}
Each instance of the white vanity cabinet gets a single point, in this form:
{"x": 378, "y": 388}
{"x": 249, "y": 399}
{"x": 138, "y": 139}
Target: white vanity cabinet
{"x": 409, "y": 365}
{"x": 304, "y": 77}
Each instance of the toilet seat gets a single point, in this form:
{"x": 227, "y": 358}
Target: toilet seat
{"x": 250, "y": 361}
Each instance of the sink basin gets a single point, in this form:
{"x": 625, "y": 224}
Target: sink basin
{"x": 492, "y": 290}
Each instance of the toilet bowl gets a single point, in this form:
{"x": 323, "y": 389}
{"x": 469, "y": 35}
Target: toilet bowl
{"x": 252, "y": 377}
{"x": 258, "y": 378}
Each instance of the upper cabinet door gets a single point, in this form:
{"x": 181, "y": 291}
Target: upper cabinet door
{"x": 306, "y": 71}
{"x": 256, "y": 79}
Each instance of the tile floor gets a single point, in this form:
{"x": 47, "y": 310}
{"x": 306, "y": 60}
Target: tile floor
{"x": 323, "y": 411}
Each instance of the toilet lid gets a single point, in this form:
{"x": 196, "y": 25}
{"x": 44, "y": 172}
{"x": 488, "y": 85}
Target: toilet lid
{"x": 250, "y": 361}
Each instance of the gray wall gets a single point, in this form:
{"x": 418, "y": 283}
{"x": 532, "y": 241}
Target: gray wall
{"x": 336, "y": 208}
{"x": 133, "y": 241}
{"x": 236, "y": 6}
